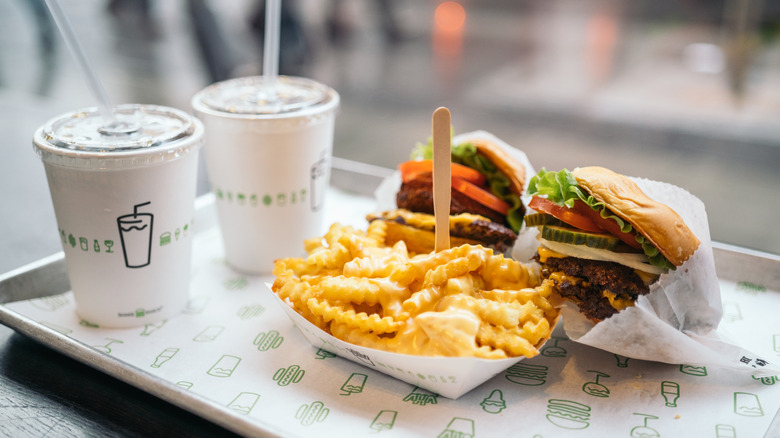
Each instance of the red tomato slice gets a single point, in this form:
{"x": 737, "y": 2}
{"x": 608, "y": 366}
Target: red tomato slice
{"x": 480, "y": 195}
{"x": 410, "y": 169}
{"x": 568, "y": 215}
{"x": 607, "y": 225}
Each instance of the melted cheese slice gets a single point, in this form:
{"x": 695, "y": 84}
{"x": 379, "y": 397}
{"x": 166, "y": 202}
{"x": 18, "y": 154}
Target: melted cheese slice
{"x": 632, "y": 260}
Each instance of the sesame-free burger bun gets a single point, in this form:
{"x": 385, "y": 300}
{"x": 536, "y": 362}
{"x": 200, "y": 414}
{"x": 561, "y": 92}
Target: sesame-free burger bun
{"x": 658, "y": 223}
{"x": 504, "y": 162}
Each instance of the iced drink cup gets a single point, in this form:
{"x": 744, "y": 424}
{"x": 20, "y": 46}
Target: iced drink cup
{"x": 123, "y": 197}
{"x": 268, "y": 149}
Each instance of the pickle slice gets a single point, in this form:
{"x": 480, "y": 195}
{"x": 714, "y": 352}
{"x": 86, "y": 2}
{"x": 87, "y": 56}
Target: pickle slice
{"x": 577, "y": 237}
{"x": 538, "y": 219}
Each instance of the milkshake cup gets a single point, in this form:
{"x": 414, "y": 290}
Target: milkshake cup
{"x": 119, "y": 192}
{"x": 268, "y": 148}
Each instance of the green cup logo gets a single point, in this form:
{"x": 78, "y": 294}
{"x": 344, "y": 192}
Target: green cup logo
{"x": 354, "y": 384}
{"x": 384, "y": 420}
{"x": 244, "y": 402}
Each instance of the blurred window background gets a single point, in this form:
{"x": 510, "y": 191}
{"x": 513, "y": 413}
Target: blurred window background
{"x": 686, "y": 92}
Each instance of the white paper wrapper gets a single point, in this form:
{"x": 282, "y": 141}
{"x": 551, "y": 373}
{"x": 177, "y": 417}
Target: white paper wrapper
{"x": 526, "y": 243}
{"x": 677, "y": 322}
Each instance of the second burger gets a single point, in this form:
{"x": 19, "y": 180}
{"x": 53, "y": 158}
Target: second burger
{"x": 486, "y": 206}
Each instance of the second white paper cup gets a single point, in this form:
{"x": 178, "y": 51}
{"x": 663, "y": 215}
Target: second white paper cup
{"x": 269, "y": 165}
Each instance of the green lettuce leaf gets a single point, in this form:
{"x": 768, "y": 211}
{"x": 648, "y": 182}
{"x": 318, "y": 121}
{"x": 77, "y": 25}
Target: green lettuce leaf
{"x": 561, "y": 188}
{"x": 498, "y": 183}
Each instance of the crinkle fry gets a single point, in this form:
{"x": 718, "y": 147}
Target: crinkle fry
{"x": 360, "y": 290}
{"x": 353, "y": 289}
{"x": 344, "y": 314}
{"x": 509, "y": 340}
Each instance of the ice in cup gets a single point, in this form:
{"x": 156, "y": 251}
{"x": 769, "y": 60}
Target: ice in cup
{"x": 123, "y": 196}
{"x": 268, "y": 149}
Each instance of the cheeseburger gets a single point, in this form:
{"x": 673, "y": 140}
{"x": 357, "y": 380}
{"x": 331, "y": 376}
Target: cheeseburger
{"x": 486, "y": 206}
{"x": 601, "y": 239}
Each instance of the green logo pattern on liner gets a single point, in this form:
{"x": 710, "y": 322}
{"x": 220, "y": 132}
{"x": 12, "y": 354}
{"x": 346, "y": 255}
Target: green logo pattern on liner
{"x": 593, "y": 389}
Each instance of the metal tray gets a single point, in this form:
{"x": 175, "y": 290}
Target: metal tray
{"x": 47, "y": 277}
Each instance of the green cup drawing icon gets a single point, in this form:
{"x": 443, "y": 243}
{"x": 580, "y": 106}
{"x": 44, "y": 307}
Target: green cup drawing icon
{"x": 209, "y": 333}
{"x": 225, "y": 366}
{"x": 384, "y": 420}
{"x": 354, "y": 384}
{"x": 244, "y": 402}
{"x": 747, "y": 404}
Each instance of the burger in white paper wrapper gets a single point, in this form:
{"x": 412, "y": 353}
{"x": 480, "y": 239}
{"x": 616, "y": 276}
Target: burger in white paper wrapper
{"x": 488, "y": 184}
{"x": 633, "y": 260}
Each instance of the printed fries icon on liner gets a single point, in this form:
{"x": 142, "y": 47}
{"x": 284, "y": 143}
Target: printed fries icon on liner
{"x": 461, "y": 302}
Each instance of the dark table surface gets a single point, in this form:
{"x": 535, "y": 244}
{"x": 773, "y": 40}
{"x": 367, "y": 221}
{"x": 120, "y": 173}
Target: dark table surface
{"x": 45, "y": 393}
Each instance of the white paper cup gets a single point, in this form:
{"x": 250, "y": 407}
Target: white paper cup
{"x": 124, "y": 203}
{"x": 268, "y": 150}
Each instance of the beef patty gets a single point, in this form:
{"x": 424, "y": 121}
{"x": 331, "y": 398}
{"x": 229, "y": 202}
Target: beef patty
{"x": 586, "y": 280}
{"x": 417, "y": 195}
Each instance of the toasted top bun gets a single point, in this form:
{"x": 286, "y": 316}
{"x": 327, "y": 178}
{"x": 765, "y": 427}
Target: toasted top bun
{"x": 504, "y": 162}
{"x": 661, "y": 225}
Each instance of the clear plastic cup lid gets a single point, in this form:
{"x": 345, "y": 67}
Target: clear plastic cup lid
{"x": 136, "y": 127}
{"x": 258, "y": 95}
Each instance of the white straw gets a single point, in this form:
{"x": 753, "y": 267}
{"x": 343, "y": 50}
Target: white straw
{"x": 271, "y": 45}
{"x": 76, "y": 49}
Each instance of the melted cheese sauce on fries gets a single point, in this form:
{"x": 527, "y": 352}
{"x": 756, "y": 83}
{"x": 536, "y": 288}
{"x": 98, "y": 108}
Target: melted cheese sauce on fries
{"x": 462, "y": 302}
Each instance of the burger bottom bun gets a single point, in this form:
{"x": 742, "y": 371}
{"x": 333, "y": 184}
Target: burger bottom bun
{"x": 418, "y": 230}
{"x": 419, "y": 241}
